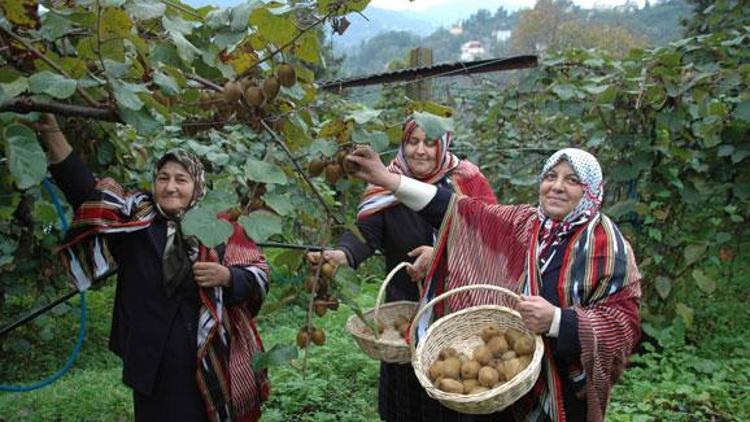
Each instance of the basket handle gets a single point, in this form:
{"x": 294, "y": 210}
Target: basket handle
{"x": 440, "y": 298}
{"x": 383, "y": 287}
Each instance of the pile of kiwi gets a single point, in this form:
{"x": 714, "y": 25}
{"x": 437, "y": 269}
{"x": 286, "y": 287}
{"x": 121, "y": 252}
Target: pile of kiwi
{"x": 398, "y": 329}
{"x": 333, "y": 168}
{"x": 504, "y": 354}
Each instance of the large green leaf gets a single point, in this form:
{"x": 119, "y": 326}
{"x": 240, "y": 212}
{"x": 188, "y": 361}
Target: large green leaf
{"x": 260, "y": 225}
{"x": 364, "y": 115}
{"x": 433, "y": 126}
{"x": 705, "y": 283}
{"x": 13, "y": 89}
{"x": 202, "y": 223}
{"x": 264, "y": 172}
{"x": 240, "y": 15}
{"x": 146, "y": 9}
{"x": 742, "y": 111}
{"x": 126, "y": 94}
{"x": 27, "y": 161}
{"x": 142, "y": 120}
{"x": 280, "y": 203}
{"x": 377, "y": 140}
{"x": 693, "y": 253}
{"x": 276, "y": 29}
{"x": 278, "y": 355}
{"x": 167, "y": 84}
{"x": 52, "y": 84}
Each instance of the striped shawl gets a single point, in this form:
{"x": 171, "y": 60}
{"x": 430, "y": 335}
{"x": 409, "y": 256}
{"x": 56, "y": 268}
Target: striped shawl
{"x": 480, "y": 244}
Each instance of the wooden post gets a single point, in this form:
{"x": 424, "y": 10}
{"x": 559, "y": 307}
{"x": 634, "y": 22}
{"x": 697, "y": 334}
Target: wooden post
{"x": 420, "y": 90}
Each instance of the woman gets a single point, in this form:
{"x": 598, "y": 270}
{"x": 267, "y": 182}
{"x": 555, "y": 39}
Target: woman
{"x": 403, "y": 235}
{"x": 182, "y": 317}
{"x": 577, "y": 273}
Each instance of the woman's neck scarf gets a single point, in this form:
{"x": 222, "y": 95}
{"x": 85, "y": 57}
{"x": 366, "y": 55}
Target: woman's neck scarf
{"x": 589, "y": 173}
{"x": 227, "y": 337}
{"x": 376, "y": 199}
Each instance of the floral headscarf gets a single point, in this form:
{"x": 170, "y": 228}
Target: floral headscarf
{"x": 193, "y": 166}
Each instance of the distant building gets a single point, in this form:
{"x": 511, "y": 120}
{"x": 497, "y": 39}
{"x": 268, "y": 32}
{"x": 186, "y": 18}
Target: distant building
{"x": 502, "y": 35}
{"x": 456, "y": 30}
{"x": 472, "y": 50}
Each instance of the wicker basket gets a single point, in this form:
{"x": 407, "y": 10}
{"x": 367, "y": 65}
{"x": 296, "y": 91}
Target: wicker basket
{"x": 386, "y": 350}
{"x": 460, "y": 330}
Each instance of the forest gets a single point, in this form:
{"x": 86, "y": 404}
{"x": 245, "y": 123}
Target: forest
{"x": 668, "y": 119}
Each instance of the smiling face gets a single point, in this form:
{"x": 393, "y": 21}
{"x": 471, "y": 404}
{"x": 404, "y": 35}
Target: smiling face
{"x": 173, "y": 188}
{"x": 560, "y": 191}
{"x": 420, "y": 153}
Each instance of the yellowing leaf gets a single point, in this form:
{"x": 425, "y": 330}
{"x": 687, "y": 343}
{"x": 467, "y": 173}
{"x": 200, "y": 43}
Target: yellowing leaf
{"x": 242, "y": 62}
{"x": 21, "y": 13}
{"x": 276, "y": 29}
{"x": 115, "y": 22}
{"x": 308, "y": 48}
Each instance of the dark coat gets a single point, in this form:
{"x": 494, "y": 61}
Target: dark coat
{"x": 155, "y": 335}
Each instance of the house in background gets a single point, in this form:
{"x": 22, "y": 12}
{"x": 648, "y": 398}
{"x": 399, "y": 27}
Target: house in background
{"x": 472, "y": 50}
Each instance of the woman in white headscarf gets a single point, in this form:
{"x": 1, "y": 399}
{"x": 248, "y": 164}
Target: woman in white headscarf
{"x": 576, "y": 272}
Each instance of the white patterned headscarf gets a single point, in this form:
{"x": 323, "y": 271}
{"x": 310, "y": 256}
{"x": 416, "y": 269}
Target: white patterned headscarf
{"x": 589, "y": 173}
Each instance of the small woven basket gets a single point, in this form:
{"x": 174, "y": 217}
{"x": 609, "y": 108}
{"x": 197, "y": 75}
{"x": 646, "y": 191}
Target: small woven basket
{"x": 386, "y": 350}
{"x": 461, "y": 330}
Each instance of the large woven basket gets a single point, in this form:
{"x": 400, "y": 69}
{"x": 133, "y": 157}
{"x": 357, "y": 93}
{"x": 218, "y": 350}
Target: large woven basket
{"x": 460, "y": 330}
{"x": 386, "y": 350}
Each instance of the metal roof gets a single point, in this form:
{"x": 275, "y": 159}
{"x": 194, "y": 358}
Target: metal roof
{"x": 438, "y": 70}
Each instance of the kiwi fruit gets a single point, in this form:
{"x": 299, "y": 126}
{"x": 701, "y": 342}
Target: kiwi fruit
{"x": 447, "y": 352}
{"x": 328, "y": 270}
{"x": 478, "y": 389}
{"x": 451, "y": 386}
{"x": 403, "y": 329}
{"x": 310, "y": 283}
{"x": 315, "y": 168}
{"x": 303, "y": 338}
{"x": 488, "y": 376}
{"x": 320, "y": 309}
{"x": 512, "y": 335}
{"x": 333, "y": 173}
{"x": 523, "y": 346}
{"x": 436, "y": 370}
{"x": 254, "y": 96}
{"x": 497, "y": 345}
{"x": 287, "y": 75}
{"x": 508, "y": 355}
{"x": 511, "y": 368}
{"x": 482, "y": 355}
{"x": 452, "y": 367}
{"x": 400, "y": 320}
{"x": 524, "y": 360}
{"x": 318, "y": 337}
{"x": 271, "y": 87}
{"x": 470, "y": 369}
{"x": 232, "y": 91}
{"x": 349, "y": 167}
{"x": 470, "y": 384}
{"x": 488, "y": 332}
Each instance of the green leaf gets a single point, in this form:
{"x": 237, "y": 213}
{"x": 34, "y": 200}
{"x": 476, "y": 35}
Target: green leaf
{"x": 146, "y": 9}
{"x": 15, "y": 88}
{"x": 706, "y": 284}
{"x": 27, "y": 161}
{"x": 742, "y": 111}
{"x": 177, "y": 25}
{"x": 202, "y": 223}
{"x": 167, "y": 84}
{"x": 142, "y": 120}
{"x": 278, "y": 355}
{"x": 261, "y": 224}
{"x": 44, "y": 213}
{"x": 55, "y": 25}
{"x": 280, "y": 203}
{"x": 116, "y": 69}
{"x": 663, "y": 286}
{"x": 693, "y": 253}
{"x": 326, "y": 147}
{"x": 686, "y": 313}
{"x": 185, "y": 48}
{"x": 263, "y": 172}
{"x": 240, "y": 15}
{"x": 275, "y": 29}
{"x": 433, "y": 126}
{"x": 364, "y": 115}
{"x": 52, "y": 84}
{"x": 564, "y": 91}
{"x": 377, "y": 140}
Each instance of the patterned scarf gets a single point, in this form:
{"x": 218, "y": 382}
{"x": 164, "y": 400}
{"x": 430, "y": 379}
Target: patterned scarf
{"x": 227, "y": 337}
{"x": 480, "y": 244}
{"x": 376, "y": 199}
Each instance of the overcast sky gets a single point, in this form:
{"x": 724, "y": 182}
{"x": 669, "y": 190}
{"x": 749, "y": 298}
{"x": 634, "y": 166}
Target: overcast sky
{"x": 419, "y": 5}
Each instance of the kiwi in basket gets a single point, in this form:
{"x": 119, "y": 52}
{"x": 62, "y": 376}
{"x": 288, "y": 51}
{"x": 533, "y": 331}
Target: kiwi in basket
{"x": 488, "y": 376}
{"x": 523, "y": 346}
{"x": 446, "y": 353}
{"x": 470, "y": 384}
{"x": 470, "y": 369}
{"x": 489, "y": 332}
{"x": 452, "y": 368}
{"x": 451, "y": 386}
{"x": 482, "y": 354}
{"x": 497, "y": 345}
{"x": 436, "y": 370}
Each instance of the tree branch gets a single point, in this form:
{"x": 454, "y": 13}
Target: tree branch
{"x": 29, "y": 105}
{"x": 204, "y": 82}
{"x": 299, "y": 169}
{"x": 86, "y": 97}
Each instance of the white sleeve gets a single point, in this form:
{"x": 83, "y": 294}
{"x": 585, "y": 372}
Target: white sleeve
{"x": 415, "y": 194}
{"x": 554, "y": 328}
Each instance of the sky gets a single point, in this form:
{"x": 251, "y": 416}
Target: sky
{"x": 421, "y": 5}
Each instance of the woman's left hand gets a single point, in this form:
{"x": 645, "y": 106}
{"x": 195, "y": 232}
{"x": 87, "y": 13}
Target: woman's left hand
{"x": 211, "y": 274}
{"x": 418, "y": 270}
{"x": 536, "y": 312}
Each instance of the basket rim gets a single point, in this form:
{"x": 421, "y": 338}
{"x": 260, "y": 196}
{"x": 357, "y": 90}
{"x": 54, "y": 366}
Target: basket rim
{"x": 532, "y": 369}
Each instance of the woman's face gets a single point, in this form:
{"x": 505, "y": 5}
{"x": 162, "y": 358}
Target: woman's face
{"x": 173, "y": 188}
{"x": 560, "y": 191}
{"x": 420, "y": 153}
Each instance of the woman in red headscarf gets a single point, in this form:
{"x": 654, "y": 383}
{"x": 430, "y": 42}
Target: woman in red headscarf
{"x": 402, "y": 235}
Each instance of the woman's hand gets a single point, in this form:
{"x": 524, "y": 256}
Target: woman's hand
{"x": 418, "y": 269}
{"x": 52, "y": 137}
{"x": 211, "y": 274}
{"x": 371, "y": 169}
{"x": 334, "y": 256}
{"x": 536, "y": 312}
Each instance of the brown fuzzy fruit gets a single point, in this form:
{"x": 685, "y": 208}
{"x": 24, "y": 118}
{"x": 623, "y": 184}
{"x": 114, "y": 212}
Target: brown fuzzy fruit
{"x": 451, "y": 386}
{"x": 303, "y": 338}
{"x": 478, "y": 389}
{"x": 254, "y": 96}
{"x": 271, "y": 88}
{"x": 523, "y": 346}
{"x": 315, "y": 168}
{"x": 470, "y": 369}
{"x": 320, "y": 309}
{"x": 232, "y": 91}
{"x": 488, "y": 332}
{"x": 508, "y": 355}
{"x": 328, "y": 270}
{"x": 349, "y": 167}
{"x": 400, "y": 320}
{"x": 436, "y": 370}
{"x": 333, "y": 173}
{"x": 447, "y": 352}
{"x": 452, "y": 367}
{"x": 470, "y": 384}
{"x": 488, "y": 376}
{"x": 310, "y": 283}
{"x": 287, "y": 75}
{"x": 333, "y": 303}
{"x": 512, "y": 335}
{"x": 318, "y": 337}
{"x": 482, "y": 355}
{"x": 497, "y": 345}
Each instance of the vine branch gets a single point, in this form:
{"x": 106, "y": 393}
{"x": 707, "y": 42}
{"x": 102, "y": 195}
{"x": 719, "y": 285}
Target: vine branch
{"x": 205, "y": 82}
{"x": 299, "y": 169}
{"x": 86, "y": 97}
{"x": 29, "y": 105}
